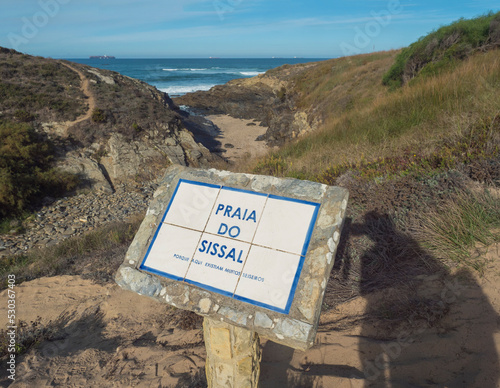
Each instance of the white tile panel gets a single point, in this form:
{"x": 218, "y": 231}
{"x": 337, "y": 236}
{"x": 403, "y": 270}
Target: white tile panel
{"x": 172, "y": 250}
{"x": 191, "y": 206}
{"x": 284, "y": 225}
{"x": 268, "y": 276}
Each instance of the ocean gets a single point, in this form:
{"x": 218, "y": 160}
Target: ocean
{"x": 180, "y": 76}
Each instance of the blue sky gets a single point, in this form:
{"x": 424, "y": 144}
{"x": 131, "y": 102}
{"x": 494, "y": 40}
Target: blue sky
{"x": 223, "y": 28}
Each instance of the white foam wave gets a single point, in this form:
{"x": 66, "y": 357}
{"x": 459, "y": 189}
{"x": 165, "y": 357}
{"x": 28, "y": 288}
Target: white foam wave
{"x": 186, "y": 69}
{"x": 176, "y": 90}
{"x": 251, "y": 73}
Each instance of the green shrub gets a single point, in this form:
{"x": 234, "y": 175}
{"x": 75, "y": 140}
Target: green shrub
{"x": 438, "y": 50}
{"x": 24, "y": 116}
{"x": 98, "y": 116}
{"x": 75, "y": 255}
{"x": 26, "y": 171}
{"x": 136, "y": 127}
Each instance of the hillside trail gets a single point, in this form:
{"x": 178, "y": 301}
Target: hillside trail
{"x": 62, "y": 128}
{"x": 108, "y": 337}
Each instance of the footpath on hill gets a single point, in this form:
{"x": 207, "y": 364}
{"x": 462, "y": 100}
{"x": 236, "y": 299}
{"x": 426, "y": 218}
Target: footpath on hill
{"x": 62, "y": 128}
{"x": 85, "y": 86}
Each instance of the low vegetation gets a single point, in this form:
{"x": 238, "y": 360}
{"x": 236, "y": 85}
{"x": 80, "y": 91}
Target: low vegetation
{"x": 38, "y": 88}
{"x": 460, "y": 229}
{"x": 125, "y": 106}
{"x": 96, "y": 255}
{"x": 414, "y": 118}
{"x": 442, "y": 49}
{"x": 26, "y": 170}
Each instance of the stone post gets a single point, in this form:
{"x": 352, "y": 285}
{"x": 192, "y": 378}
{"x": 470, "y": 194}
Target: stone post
{"x": 233, "y": 355}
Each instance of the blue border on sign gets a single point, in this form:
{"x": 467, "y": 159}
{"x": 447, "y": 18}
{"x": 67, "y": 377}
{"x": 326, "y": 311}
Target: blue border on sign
{"x": 305, "y": 247}
{"x": 142, "y": 266}
{"x": 243, "y": 191}
{"x": 209, "y": 288}
{"x": 161, "y": 273}
{"x": 260, "y": 304}
{"x": 295, "y": 282}
{"x": 303, "y": 255}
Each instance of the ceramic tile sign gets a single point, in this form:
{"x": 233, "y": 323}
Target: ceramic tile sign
{"x": 245, "y": 245}
{"x": 253, "y": 251}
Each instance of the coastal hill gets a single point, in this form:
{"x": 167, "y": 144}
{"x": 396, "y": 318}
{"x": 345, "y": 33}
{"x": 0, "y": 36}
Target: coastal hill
{"x": 101, "y": 127}
{"x": 413, "y": 298}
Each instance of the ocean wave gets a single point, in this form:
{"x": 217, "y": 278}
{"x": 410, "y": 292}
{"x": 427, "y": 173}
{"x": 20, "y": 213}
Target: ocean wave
{"x": 176, "y": 90}
{"x": 186, "y": 69}
{"x": 251, "y": 73}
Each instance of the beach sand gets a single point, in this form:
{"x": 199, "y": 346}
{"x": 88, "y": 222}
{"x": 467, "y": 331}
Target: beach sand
{"x": 238, "y": 138}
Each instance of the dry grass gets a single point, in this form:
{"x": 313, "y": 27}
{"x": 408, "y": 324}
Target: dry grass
{"x": 459, "y": 230}
{"x": 416, "y": 116}
{"x": 96, "y": 254}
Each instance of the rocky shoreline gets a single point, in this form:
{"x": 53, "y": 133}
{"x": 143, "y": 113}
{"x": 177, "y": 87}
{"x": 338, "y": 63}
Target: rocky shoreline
{"x": 73, "y": 216}
{"x": 269, "y": 98}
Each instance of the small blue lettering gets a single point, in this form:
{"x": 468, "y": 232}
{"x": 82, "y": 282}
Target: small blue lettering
{"x": 214, "y": 266}
{"x": 222, "y": 229}
{"x": 219, "y": 208}
{"x": 203, "y": 246}
{"x": 227, "y": 211}
{"x": 253, "y": 277}
{"x": 233, "y": 231}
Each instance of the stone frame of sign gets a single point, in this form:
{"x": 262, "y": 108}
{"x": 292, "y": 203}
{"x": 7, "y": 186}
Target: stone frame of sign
{"x": 309, "y": 214}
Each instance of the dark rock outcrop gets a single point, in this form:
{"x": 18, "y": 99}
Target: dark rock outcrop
{"x": 234, "y": 98}
{"x": 266, "y": 98}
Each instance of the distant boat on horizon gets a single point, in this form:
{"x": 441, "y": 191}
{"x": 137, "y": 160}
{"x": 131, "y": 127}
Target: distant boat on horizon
{"x": 102, "y": 57}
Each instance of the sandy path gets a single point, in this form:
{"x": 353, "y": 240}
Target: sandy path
{"x": 118, "y": 338}
{"x": 85, "y": 86}
{"x": 238, "y": 138}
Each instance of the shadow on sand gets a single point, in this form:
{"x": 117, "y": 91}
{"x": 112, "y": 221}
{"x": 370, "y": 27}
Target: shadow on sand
{"x": 422, "y": 325}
